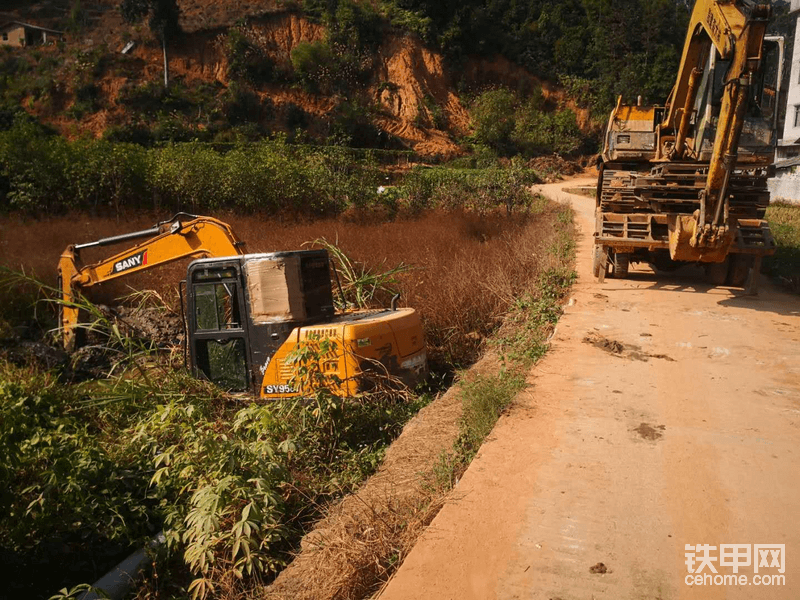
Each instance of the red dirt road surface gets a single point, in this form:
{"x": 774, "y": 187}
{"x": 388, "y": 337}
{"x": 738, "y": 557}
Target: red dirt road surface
{"x": 667, "y": 413}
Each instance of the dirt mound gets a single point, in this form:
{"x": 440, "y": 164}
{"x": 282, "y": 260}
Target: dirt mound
{"x": 153, "y": 324}
{"x": 416, "y": 92}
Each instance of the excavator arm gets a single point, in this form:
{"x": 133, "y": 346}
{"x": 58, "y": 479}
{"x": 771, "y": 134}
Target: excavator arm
{"x": 168, "y": 241}
{"x": 736, "y": 29}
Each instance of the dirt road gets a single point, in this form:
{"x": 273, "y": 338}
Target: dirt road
{"x": 678, "y": 424}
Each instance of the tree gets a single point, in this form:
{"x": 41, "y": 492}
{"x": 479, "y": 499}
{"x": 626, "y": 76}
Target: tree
{"x": 163, "y": 21}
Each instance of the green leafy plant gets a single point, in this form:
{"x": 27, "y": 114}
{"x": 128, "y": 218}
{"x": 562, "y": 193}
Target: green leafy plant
{"x": 361, "y": 284}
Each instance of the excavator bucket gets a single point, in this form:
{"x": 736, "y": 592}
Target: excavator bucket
{"x": 682, "y": 246}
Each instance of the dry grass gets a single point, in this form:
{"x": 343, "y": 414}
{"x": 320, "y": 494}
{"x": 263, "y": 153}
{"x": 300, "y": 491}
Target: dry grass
{"x": 468, "y": 271}
{"x": 466, "y": 267}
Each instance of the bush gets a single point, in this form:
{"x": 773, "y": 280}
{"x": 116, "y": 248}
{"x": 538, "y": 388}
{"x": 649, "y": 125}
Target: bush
{"x": 313, "y": 65}
{"x": 351, "y": 126}
{"x": 344, "y": 59}
{"x": 493, "y": 117}
{"x": 41, "y": 173}
{"x": 480, "y": 190}
{"x": 145, "y": 98}
{"x": 509, "y": 126}
{"x": 240, "y": 104}
{"x": 246, "y": 61}
{"x": 91, "y": 470}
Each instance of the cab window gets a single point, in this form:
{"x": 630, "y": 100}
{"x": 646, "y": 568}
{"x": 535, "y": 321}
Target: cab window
{"x": 223, "y": 362}
{"x": 217, "y": 306}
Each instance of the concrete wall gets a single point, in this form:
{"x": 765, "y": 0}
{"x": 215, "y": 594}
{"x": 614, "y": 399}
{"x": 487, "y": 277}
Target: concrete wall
{"x": 785, "y": 185}
{"x": 790, "y": 131}
{"x": 16, "y": 37}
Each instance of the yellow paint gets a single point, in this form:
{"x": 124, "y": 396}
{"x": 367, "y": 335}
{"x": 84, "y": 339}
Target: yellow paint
{"x": 395, "y": 339}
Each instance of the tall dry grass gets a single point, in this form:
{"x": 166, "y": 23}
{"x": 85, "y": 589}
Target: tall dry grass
{"x": 466, "y": 267}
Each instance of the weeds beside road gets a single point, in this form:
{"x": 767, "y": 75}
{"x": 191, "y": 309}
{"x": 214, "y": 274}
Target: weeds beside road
{"x": 784, "y": 220}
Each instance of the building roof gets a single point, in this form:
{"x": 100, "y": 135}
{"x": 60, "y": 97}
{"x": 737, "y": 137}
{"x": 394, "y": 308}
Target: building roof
{"x": 28, "y": 26}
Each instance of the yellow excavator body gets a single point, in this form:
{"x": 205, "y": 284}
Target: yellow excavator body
{"x": 687, "y": 181}
{"x": 259, "y": 322}
{"x": 386, "y": 343}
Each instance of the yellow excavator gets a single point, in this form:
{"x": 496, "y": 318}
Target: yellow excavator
{"x": 687, "y": 182}
{"x": 247, "y": 314}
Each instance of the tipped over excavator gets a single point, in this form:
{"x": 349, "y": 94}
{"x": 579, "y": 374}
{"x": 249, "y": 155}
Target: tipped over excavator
{"x": 248, "y": 314}
{"x": 687, "y": 182}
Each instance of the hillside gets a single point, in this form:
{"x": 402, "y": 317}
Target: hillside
{"x": 253, "y": 69}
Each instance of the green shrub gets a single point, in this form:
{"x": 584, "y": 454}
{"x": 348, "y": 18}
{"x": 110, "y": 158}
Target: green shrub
{"x": 472, "y": 189}
{"x": 40, "y": 172}
{"x": 313, "y": 65}
{"x": 493, "y": 117}
{"x": 355, "y": 25}
{"x": 241, "y": 104}
{"x": 351, "y": 125}
{"x": 145, "y": 98}
{"x": 246, "y": 60}
{"x": 415, "y": 22}
{"x": 508, "y": 125}
{"x": 344, "y": 59}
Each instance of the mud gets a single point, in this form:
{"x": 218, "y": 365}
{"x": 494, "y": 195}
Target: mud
{"x": 650, "y": 433}
{"x": 629, "y": 351}
{"x": 599, "y": 568}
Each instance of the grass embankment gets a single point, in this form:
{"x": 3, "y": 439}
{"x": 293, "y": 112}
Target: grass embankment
{"x": 520, "y": 343}
{"x": 91, "y": 469}
{"x": 784, "y": 220}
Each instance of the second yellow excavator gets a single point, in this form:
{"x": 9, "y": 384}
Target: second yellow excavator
{"x": 687, "y": 182}
{"x": 248, "y": 313}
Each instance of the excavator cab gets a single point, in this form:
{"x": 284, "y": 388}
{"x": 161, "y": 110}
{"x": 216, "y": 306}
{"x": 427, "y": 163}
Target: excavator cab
{"x": 242, "y": 309}
{"x": 249, "y": 315}
{"x": 759, "y": 126}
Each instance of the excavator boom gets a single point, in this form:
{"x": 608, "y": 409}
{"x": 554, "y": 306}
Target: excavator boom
{"x": 168, "y": 241}
{"x": 736, "y": 30}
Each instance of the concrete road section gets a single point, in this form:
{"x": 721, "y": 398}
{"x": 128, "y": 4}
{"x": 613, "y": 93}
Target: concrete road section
{"x": 667, "y": 414}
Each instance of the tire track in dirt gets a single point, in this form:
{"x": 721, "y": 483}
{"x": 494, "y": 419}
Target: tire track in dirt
{"x": 609, "y": 459}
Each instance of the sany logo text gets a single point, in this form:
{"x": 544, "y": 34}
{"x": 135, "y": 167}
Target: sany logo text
{"x": 137, "y": 260}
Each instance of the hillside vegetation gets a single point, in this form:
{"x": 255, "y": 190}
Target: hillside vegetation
{"x": 398, "y": 74}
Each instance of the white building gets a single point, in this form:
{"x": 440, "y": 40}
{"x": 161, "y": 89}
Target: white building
{"x": 786, "y": 183}
{"x": 789, "y": 146}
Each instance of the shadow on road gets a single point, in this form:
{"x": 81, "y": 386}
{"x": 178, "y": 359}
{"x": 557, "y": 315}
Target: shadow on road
{"x": 693, "y": 279}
